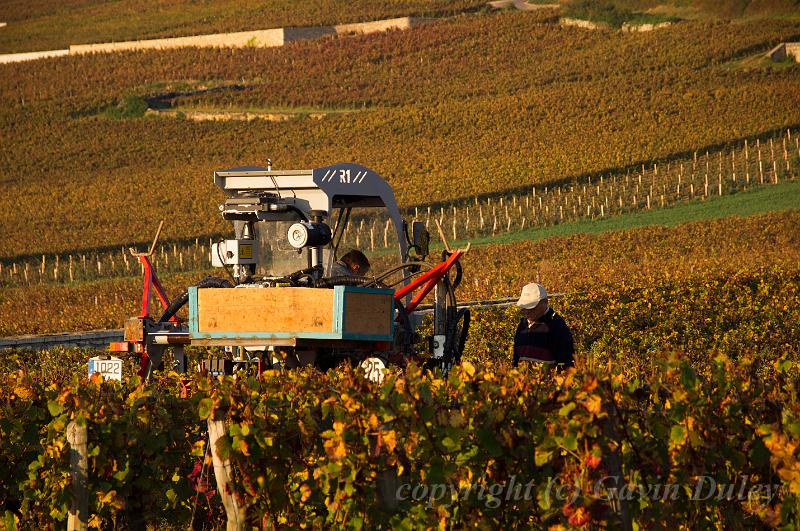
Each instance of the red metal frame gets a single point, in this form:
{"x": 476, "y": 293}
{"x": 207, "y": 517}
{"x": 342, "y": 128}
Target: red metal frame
{"x": 429, "y": 279}
{"x": 151, "y": 279}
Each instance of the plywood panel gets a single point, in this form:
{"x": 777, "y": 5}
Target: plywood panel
{"x": 368, "y": 313}
{"x": 277, "y": 310}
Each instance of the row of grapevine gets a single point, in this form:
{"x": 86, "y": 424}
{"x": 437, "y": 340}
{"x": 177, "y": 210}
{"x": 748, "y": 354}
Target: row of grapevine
{"x": 334, "y": 449}
{"x": 131, "y": 205}
{"x": 68, "y": 269}
{"x": 677, "y": 181}
{"x": 705, "y": 263}
{"x": 725, "y": 171}
{"x": 488, "y": 446}
{"x": 641, "y": 257}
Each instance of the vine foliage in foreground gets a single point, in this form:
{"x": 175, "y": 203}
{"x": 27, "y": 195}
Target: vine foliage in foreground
{"x": 510, "y": 447}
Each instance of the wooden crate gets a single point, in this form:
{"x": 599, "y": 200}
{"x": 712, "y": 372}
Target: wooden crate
{"x": 275, "y": 315}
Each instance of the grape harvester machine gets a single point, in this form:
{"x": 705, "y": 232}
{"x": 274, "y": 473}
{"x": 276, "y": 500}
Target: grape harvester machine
{"x": 280, "y": 306}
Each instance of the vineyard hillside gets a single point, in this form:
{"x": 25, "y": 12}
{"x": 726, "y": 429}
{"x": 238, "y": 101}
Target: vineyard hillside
{"x": 48, "y": 25}
{"x": 640, "y": 159}
{"x": 445, "y": 112}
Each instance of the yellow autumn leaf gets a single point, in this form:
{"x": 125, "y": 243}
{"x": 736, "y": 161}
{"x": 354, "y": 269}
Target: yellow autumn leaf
{"x": 468, "y": 368}
{"x": 335, "y": 449}
{"x": 23, "y": 392}
{"x": 389, "y": 438}
{"x": 593, "y": 404}
{"x": 373, "y": 421}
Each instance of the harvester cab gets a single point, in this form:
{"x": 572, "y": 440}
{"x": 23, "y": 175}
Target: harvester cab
{"x": 279, "y": 214}
{"x": 281, "y": 306}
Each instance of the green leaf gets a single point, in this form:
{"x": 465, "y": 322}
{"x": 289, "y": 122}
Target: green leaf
{"x": 566, "y": 409}
{"x": 9, "y": 521}
{"x": 793, "y": 429}
{"x": 240, "y": 445}
{"x": 54, "y": 408}
{"x": 465, "y": 457}
{"x": 688, "y": 377}
{"x": 545, "y": 500}
{"x": 205, "y": 407}
{"x": 759, "y": 453}
{"x": 542, "y": 457}
{"x": 450, "y": 444}
{"x": 223, "y": 447}
{"x": 677, "y": 435}
{"x": 120, "y": 475}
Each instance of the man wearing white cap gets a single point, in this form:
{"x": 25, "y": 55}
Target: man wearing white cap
{"x": 542, "y": 335}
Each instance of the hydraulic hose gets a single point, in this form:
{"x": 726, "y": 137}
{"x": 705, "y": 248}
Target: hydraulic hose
{"x": 463, "y": 314}
{"x": 405, "y": 325}
{"x": 345, "y": 280}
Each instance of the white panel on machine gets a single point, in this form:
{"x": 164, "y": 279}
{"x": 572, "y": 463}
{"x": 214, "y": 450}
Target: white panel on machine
{"x": 234, "y": 252}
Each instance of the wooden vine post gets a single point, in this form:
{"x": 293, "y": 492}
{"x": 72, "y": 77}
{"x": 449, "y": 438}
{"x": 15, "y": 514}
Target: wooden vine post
{"x": 77, "y": 438}
{"x": 222, "y": 474}
{"x": 746, "y": 162}
{"x": 614, "y": 463}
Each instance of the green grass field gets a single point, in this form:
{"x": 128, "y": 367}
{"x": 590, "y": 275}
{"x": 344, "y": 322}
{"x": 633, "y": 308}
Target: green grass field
{"x": 784, "y": 196}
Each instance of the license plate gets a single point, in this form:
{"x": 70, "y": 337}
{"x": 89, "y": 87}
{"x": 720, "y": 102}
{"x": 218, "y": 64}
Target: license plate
{"x": 111, "y": 368}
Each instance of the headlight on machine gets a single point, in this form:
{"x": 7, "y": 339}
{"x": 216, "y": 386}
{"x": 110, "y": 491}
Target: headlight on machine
{"x": 309, "y": 234}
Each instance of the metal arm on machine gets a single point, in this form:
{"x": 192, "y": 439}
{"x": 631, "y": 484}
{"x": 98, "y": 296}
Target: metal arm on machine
{"x": 151, "y": 278}
{"x": 430, "y": 278}
{"x": 450, "y": 323}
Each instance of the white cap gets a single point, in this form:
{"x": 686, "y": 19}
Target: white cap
{"x": 532, "y": 294}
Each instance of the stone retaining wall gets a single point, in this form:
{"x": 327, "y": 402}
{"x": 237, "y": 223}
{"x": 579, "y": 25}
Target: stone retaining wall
{"x": 521, "y": 5}
{"x": 626, "y": 26}
{"x": 30, "y": 56}
{"x": 634, "y": 28}
{"x": 260, "y": 38}
{"x": 221, "y": 116}
{"x": 402, "y": 23}
{"x": 784, "y": 50}
{"x": 580, "y": 23}
{"x": 257, "y": 38}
